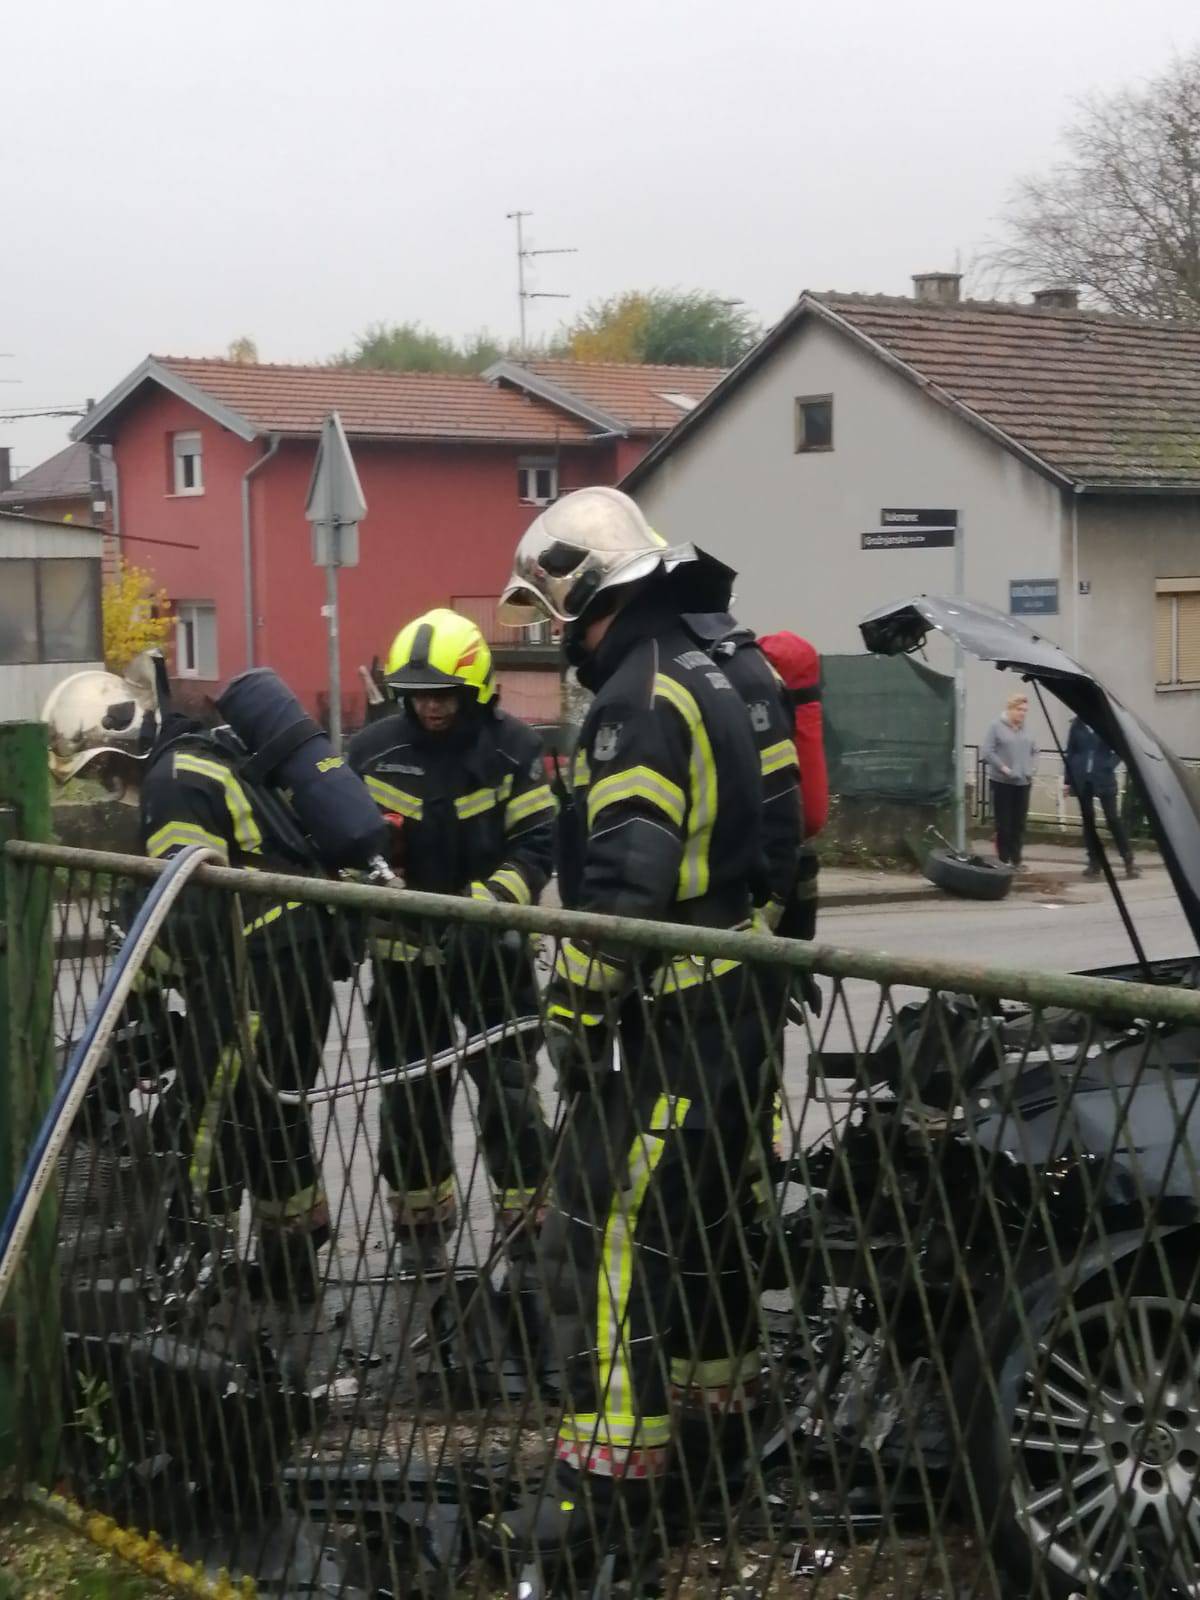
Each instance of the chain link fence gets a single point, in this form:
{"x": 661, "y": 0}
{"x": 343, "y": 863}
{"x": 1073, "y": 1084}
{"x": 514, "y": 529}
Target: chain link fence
{"x": 860, "y": 1276}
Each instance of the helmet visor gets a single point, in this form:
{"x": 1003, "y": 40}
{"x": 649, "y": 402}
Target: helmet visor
{"x": 425, "y": 679}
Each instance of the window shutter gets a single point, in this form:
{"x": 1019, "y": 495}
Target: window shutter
{"x": 1189, "y": 637}
{"x": 1164, "y": 611}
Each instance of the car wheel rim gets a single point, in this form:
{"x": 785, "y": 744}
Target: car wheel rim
{"x": 1106, "y": 1444}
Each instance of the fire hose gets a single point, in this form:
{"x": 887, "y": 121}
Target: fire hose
{"x": 88, "y": 1055}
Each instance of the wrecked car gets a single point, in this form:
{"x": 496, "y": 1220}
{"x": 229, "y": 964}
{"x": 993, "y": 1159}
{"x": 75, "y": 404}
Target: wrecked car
{"x": 1005, "y": 1234}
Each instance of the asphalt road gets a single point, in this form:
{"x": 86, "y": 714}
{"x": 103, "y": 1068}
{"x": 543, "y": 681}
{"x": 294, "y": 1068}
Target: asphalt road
{"x": 1053, "y": 921}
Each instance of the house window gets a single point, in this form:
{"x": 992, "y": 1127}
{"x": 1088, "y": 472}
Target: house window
{"x": 18, "y": 613}
{"x": 187, "y": 459}
{"x": 195, "y": 639}
{"x": 1177, "y": 632}
{"x": 814, "y": 422}
{"x": 50, "y": 610}
{"x": 69, "y": 609}
{"x": 537, "y": 482}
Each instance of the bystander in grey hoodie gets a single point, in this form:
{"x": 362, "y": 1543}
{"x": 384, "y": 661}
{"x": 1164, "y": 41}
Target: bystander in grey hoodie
{"x": 1009, "y": 753}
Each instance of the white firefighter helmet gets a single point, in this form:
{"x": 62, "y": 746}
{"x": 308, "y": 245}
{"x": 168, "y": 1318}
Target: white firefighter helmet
{"x": 94, "y": 715}
{"x": 587, "y": 542}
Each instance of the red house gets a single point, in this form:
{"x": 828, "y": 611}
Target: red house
{"x": 212, "y": 461}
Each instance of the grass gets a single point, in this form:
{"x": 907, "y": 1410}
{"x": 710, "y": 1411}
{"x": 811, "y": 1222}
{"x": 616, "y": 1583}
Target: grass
{"x": 42, "y": 1559}
{"x": 79, "y": 791}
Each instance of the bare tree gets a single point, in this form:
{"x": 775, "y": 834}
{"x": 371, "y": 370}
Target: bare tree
{"x": 1120, "y": 217}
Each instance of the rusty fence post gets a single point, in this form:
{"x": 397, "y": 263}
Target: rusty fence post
{"x": 30, "y": 1326}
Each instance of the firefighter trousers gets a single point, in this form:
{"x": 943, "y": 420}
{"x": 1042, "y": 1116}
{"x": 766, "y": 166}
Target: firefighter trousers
{"x": 645, "y": 1245}
{"x": 415, "y": 1006}
{"x": 235, "y": 1133}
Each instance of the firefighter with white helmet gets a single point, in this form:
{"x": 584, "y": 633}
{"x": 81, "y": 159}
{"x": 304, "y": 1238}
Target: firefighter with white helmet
{"x": 653, "y": 1305}
{"x": 469, "y": 783}
{"x": 193, "y": 788}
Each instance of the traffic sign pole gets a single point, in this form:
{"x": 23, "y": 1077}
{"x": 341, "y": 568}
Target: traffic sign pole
{"x": 335, "y": 646}
{"x": 335, "y": 507}
{"x": 960, "y": 696}
{"x": 921, "y": 528}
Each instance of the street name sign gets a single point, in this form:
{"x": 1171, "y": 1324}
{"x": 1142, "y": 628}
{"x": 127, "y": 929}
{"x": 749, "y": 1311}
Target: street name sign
{"x": 915, "y": 528}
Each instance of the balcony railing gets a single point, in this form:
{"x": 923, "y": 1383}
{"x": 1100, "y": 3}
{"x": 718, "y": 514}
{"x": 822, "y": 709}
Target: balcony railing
{"x": 482, "y": 611}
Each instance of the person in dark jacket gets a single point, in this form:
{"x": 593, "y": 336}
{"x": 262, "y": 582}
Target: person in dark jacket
{"x": 648, "y": 1280}
{"x": 1091, "y": 775}
{"x": 478, "y": 819}
{"x": 257, "y": 1016}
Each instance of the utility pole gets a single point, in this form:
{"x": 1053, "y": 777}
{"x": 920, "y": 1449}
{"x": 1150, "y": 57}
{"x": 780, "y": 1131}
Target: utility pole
{"x": 523, "y": 255}
{"x": 95, "y": 477}
{"x": 960, "y": 692}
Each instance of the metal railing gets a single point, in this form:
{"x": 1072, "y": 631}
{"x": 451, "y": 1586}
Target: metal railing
{"x": 1049, "y": 801}
{"x": 893, "y": 1297}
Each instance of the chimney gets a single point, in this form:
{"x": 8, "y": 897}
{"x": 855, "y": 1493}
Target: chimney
{"x": 5, "y": 468}
{"x": 937, "y": 288}
{"x": 1064, "y": 298}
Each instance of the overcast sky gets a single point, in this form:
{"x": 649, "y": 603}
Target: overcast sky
{"x": 173, "y": 176}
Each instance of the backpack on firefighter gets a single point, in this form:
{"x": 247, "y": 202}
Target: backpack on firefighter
{"x": 799, "y": 668}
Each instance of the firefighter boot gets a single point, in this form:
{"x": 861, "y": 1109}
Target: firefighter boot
{"x": 563, "y": 1531}
{"x": 288, "y": 1255}
{"x": 421, "y": 1236}
{"x": 719, "y": 1428}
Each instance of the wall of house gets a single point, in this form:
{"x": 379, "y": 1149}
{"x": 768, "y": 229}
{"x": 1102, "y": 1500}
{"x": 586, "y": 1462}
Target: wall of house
{"x": 792, "y": 523}
{"x": 71, "y": 508}
{"x": 191, "y": 543}
{"x": 1124, "y": 546}
{"x": 442, "y": 523}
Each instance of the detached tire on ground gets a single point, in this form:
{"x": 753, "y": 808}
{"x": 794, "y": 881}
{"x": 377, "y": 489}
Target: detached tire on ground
{"x": 971, "y": 877}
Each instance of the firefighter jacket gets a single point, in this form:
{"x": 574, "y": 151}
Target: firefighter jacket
{"x": 478, "y": 814}
{"x": 192, "y": 793}
{"x": 665, "y": 813}
{"x": 735, "y": 650}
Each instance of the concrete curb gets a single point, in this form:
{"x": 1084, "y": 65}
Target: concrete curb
{"x": 877, "y": 897}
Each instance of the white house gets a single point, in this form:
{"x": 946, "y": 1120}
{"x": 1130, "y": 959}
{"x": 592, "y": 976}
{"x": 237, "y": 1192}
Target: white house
{"x": 1067, "y": 442}
{"x": 49, "y": 609}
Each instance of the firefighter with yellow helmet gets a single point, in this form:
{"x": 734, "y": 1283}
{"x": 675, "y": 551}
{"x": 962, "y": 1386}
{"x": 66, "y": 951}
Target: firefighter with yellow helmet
{"x": 469, "y": 782}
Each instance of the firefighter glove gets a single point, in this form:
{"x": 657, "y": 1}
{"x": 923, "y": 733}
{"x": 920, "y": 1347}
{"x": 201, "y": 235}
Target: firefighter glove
{"x": 581, "y": 1052}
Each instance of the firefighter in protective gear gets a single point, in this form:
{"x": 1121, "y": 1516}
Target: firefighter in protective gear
{"x": 103, "y": 722}
{"x": 665, "y": 823}
{"x": 259, "y": 1001}
{"x": 478, "y": 819}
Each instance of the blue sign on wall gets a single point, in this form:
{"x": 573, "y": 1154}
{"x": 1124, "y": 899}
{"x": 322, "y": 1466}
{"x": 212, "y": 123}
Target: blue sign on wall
{"x": 1033, "y": 597}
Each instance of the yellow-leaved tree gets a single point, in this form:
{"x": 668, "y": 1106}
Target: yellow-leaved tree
{"x": 137, "y": 615}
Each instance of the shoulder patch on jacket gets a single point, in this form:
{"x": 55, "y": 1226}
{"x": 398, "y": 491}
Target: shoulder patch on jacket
{"x": 607, "y": 737}
{"x": 760, "y": 716}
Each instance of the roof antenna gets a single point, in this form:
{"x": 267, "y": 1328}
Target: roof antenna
{"x": 523, "y": 255}
{"x": 1091, "y": 834}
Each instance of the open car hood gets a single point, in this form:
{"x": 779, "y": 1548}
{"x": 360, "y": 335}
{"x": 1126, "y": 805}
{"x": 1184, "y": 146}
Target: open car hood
{"x": 1168, "y": 790}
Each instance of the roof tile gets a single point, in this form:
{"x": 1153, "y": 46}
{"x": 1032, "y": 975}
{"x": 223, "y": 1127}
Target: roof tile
{"x": 1099, "y": 398}
{"x": 63, "y": 476}
{"x": 639, "y": 395}
{"x": 378, "y": 405}
{"x": 423, "y": 405}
